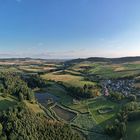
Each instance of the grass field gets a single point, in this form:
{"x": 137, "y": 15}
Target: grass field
{"x": 34, "y": 107}
{"x": 81, "y": 106}
{"x": 85, "y": 121}
{"x": 99, "y": 103}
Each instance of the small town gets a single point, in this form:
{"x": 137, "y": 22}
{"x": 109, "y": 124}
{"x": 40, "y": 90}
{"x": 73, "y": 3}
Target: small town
{"x": 122, "y": 86}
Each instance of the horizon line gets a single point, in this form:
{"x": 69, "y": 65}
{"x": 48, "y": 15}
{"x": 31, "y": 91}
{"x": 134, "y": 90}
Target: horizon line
{"x": 69, "y": 58}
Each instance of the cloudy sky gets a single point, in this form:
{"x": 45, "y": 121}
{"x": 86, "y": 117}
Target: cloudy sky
{"x": 69, "y": 28}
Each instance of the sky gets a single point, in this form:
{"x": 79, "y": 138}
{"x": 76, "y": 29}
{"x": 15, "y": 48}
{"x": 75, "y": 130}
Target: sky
{"x": 64, "y": 29}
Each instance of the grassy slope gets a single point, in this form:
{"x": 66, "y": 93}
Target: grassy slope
{"x": 34, "y": 107}
{"x": 106, "y": 70}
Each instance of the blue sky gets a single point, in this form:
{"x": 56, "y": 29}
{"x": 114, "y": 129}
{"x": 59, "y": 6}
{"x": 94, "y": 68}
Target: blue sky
{"x": 69, "y": 28}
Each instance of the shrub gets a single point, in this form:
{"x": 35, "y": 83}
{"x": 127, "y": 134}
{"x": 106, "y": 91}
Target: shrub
{"x": 132, "y": 97}
{"x": 131, "y": 106}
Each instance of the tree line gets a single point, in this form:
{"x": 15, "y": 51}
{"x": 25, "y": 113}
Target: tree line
{"x": 12, "y": 84}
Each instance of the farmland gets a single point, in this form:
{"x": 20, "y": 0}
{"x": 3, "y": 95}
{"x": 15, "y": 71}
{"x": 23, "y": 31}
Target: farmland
{"x": 63, "y": 113}
{"x": 108, "y": 83}
{"x": 67, "y": 78}
{"x": 88, "y": 119}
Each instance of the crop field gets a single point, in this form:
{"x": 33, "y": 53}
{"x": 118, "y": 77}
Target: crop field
{"x": 67, "y": 79}
{"x": 63, "y": 113}
{"x": 38, "y": 68}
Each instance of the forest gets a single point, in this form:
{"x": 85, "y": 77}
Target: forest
{"x": 19, "y": 122}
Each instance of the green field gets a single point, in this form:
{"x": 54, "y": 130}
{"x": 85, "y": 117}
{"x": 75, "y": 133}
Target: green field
{"x": 107, "y": 70}
{"x": 102, "y": 119}
{"x": 90, "y": 115}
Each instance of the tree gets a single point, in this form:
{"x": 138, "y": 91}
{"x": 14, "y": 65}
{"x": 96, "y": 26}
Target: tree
{"x": 21, "y": 97}
{"x": 1, "y": 128}
{"x": 122, "y": 129}
{"x": 132, "y": 97}
{"x": 3, "y": 137}
{"x": 26, "y": 125}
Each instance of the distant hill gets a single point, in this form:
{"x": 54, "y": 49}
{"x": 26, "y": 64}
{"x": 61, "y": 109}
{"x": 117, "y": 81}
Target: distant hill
{"x": 27, "y": 60}
{"x": 102, "y": 59}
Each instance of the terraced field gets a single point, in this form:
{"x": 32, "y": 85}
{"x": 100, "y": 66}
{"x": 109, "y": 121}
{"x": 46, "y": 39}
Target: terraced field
{"x": 64, "y": 113}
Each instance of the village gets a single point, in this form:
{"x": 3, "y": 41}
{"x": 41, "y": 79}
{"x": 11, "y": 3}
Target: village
{"x": 122, "y": 86}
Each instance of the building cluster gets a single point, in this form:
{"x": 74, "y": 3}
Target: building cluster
{"x": 122, "y": 86}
